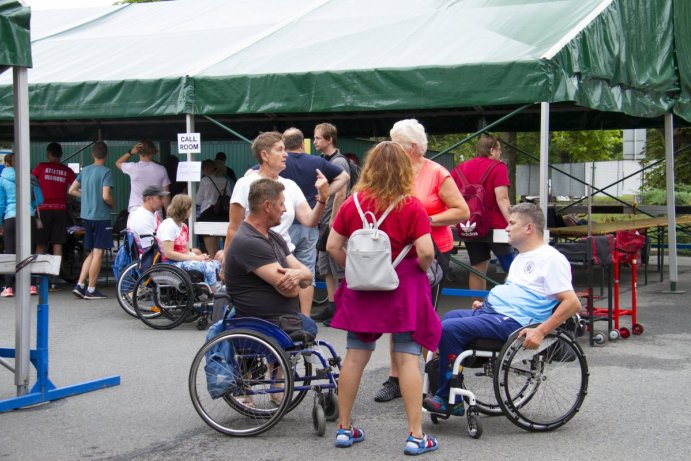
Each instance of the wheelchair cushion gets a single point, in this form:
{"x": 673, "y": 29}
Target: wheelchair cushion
{"x": 196, "y": 276}
{"x": 301, "y": 336}
{"x": 486, "y": 344}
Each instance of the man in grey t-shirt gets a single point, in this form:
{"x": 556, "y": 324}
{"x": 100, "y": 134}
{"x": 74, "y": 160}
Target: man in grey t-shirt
{"x": 261, "y": 274}
{"x": 325, "y": 135}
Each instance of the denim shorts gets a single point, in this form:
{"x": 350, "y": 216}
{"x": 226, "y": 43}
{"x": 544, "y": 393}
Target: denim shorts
{"x": 402, "y": 342}
{"x": 305, "y": 241}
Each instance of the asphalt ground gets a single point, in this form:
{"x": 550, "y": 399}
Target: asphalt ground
{"x": 637, "y": 405}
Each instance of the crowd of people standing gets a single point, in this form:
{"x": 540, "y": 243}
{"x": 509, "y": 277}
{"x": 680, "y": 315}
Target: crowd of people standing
{"x": 289, "y": 220}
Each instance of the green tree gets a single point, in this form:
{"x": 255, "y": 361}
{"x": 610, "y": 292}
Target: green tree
{"x": 565, "y": 146}
{"x": 655, "y": 177}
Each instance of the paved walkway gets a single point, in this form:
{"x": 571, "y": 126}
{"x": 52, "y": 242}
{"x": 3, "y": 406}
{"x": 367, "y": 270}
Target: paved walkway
{"x": 636, "y": 408}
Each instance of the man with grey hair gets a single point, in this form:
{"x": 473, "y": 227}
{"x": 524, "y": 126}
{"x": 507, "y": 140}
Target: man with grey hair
{"x": 538, "y": 281}
{"x": 261, "y": 275}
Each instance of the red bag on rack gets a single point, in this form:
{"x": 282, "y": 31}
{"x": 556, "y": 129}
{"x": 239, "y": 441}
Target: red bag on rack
{"x": 629, "y": 244}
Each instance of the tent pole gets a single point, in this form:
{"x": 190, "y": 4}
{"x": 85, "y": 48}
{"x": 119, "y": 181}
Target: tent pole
{"x": 544, "y": 157}
{"x": 189, "y": 121}
{"x": 23, "y": 223}
{"x": 478, "y": 132}
{"x": 671, "y": 211}
{"x": 229, "y": 130}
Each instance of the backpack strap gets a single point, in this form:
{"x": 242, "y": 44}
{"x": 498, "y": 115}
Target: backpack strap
{"x": 375, "y": 225}
{"x": 402, "y": 254}
{"x": 457, "y": 173}
{"x": 214, "y": 184}
{"x": 487, "y": 172}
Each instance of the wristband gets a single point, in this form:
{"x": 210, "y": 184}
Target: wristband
{"x": 322, "y": 202}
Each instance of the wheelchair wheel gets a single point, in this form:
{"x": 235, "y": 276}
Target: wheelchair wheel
{"x": 331, "y": 406}
{"x": 542, "y": 389}
{"x": 302, "y": 370}
{"x": 480, "y": 381}
{"x": 163, "y": 297}
{"x": 240, "y": 383}
{"x": 72, "y": 259}
{"x": 125, "y": 289}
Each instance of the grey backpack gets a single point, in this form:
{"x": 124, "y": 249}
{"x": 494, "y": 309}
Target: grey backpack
{"x": 368, "y": 255}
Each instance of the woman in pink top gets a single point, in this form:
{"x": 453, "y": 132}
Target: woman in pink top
{"x": 407, "y": 311}
{"x": 445, "y": 207}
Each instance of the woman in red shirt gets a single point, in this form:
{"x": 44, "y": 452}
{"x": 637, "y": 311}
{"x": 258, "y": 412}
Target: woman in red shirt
{"x": 487, "y": 153}
{"x": 444, "y": 205}
{"x": 407, "y": 311}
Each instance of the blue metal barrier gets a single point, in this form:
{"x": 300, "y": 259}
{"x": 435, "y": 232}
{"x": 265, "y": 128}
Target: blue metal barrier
{"x": 44, "y": 390}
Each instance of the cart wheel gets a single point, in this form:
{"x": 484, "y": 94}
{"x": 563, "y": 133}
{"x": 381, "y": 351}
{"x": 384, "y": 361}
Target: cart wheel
{"x": 614, "y": 335}
{"x": 474, "y": 427}
{"x": 599, "y": 339}
{"x": 624, "y": 332}
{"x": 637, "y": 329}
{"x": 202, "y": 323}
{"x": 331, "y": 406}
{"x": 319, "y": 419}
{"x": 434, "y": 418}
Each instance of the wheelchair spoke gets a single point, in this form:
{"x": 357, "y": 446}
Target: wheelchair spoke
{"x": 241, "y": 383}
{"x": 541, "y": 390}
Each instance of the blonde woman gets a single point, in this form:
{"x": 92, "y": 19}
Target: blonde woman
{"x": 173, "y": 239}
{"x": 406, "y": 312}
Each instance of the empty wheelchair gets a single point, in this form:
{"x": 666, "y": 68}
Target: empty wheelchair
{"x": 165, "y": 296}
{"x": 250, "y": 373}
{"x": 536, "y": 389}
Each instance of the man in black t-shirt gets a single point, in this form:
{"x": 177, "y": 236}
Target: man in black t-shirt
{"x": 262, "y": 276}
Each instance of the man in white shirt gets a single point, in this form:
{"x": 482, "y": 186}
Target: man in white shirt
{"x": 143, "y": 173}
{"x": 144, "y": 220}
{"x": 538, "y": 281}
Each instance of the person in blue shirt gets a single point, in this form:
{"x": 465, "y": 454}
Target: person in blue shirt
{"x": 301, "y": 167}
{"x": 8, "y": 213}
{"x": 94, "y": 185}
{"x": 539, "y": 279}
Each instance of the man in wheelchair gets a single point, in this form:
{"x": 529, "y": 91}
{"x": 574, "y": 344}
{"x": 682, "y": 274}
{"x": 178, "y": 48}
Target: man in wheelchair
{"x": 262, "y": 277}
{"x": 538, "y": 280}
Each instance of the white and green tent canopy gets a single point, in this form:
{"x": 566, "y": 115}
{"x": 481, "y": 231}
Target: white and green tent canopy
{"x": 15, "y": 44}
{"x": 258, "y": 64}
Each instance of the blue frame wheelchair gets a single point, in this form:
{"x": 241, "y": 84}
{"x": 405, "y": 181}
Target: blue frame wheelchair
{"x": 251, "y": 373}
{"x": 163, "y": 296}
{"x": 538, "y": 390}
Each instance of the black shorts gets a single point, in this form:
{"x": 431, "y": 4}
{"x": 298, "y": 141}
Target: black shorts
{"x": 208, "y": 215}
{"x": 54, "y": 228}
{"x": 479, "y": 251}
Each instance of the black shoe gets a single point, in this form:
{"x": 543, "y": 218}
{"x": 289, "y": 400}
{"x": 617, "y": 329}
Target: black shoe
{"x": 389, "y": 391}
{"x": 324, "y": 315}
{"x": 327, "y": 322}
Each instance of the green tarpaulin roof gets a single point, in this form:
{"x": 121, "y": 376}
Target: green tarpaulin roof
{"x": 247, "y": 61}
{"x": 15, "y": 45}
